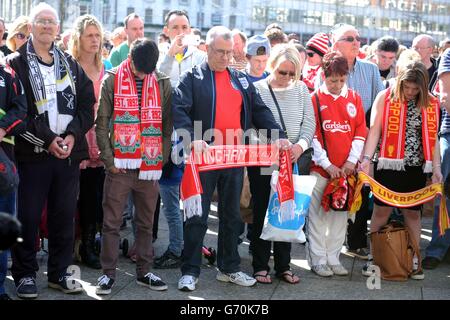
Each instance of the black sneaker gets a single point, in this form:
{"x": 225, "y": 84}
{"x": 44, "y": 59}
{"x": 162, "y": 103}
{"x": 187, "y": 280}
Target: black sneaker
{"x": 104, "y": 285}
{"x": 4, "y": 297}
{"x": 152, "y": 281}
{"x": 418, "y": 275}
{"x": 167, "y": 261}
{"x": 67, "y": 284}
{"x": 26, "y": 289}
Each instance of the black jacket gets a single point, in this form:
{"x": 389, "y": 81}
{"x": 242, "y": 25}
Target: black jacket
{"x": 37, "y": 126}
{"x": 194, "y": 99}
{"x": 13, "y": 107}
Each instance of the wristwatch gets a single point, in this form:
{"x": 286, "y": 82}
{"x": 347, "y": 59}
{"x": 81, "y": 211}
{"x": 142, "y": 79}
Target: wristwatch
{"x": 366, "y": 156}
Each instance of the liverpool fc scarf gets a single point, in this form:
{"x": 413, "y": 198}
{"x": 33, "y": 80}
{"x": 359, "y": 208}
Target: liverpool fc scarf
{"x": 403, "y": 200}
{"x": 233, "y": 156}
{"x": 392, "y": 151}
{"x": 137, "y": 129}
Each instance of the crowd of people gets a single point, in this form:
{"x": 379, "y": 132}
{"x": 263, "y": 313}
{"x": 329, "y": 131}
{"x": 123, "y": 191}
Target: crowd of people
{"x": 92, "y": 120}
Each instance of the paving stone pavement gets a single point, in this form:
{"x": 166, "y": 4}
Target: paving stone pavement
{"x": 436, "y": 285}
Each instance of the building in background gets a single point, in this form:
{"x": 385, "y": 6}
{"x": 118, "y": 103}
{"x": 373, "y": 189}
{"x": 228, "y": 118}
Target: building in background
{"x": 403, "y": 19}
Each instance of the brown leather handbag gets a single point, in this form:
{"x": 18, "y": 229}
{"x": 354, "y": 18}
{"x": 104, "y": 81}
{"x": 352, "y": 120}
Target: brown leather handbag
{"x": 393, "y": 249}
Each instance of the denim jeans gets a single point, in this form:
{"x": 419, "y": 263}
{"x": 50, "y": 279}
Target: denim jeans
{"x": 229, "y": 187}
{"x": 439, "y": 245}
{"x": 7, "y": 205}
{"x": 170, "y": 196}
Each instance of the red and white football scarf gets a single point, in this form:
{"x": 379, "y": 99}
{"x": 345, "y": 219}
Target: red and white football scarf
{"x": 392, "y": 151}
{"x": 233, "y": 156}
{"x": 137, "y": 129}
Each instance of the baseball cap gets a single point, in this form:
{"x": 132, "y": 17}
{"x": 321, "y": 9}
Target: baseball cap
{"x": 257, "y": 46}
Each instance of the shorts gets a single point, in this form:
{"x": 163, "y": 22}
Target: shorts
{"x": 410, "y": 180}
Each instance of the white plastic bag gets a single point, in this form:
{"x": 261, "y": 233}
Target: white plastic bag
{"x": 291, "y": 230}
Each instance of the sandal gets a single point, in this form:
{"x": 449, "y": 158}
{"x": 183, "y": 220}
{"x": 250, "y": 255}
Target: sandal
{"x": 289, "y": 277}
{"x": 262, "y": 277}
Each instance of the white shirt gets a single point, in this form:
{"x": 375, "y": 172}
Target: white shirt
{"x": 48, "y": 74}
{"x": 56, "y": 121}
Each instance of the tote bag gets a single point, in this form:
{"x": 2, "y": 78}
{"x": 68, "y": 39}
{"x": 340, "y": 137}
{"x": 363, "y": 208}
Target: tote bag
{"x": 289, "y": 230}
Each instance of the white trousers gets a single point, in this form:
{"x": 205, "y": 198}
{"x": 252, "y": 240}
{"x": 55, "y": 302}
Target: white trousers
{"x": 325, "y": 230}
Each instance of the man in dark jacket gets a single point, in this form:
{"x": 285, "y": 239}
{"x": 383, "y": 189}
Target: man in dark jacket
{"x": 60, "y": 112}
{"x": 223, "y": 100}
{"x": 13, "y": 109}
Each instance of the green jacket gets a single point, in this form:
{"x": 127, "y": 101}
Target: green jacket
{"x": 104, "y": 125}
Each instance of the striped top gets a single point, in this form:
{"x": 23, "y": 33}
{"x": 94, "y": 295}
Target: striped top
{"x": 139, "y": 84}
{"x": 297, "y": 110}
{"x": 444, "y": 66}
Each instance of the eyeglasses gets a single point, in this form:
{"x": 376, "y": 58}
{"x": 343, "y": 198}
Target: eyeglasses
{"x": 310, "y": 54}
{"x": 44, "y": 22}
{"x": 222, "y": 52}
{"x": 420, "y": 48}
{"x": 350, "y": 39}
{"x": 285, "y": 73}
{"x": 21, "y": 36}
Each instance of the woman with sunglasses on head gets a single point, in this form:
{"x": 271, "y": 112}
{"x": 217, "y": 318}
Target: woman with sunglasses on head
{"x": 18, "y": 33}
{"x": 316, "y": 48}
{"x": 404, "y": 123}
{"x": 284, "y": 94}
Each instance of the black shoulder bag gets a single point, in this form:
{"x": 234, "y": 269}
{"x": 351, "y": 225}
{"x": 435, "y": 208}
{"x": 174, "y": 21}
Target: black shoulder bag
{"x": 304, "y": 162}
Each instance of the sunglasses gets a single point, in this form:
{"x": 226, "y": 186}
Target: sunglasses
{"x": 21, "y": 36}
{"x": 285, "y": 73}
{"x": 310, "y": 54}
{"x": 350, "y": 39}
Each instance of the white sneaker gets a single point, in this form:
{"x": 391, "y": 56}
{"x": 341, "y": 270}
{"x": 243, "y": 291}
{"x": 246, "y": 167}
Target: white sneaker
{"x": 239, "y": 278}
{"x": 187, "y": 283}
{"x": 339, "y": 270}
{"x": 322, "y": 270}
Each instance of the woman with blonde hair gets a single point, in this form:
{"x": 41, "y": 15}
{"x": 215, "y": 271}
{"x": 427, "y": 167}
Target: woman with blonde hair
{"x": 289, "y": 100}
{"x": 404, "y": 122}
{"x": 18, "y": 33}
{"x": 85, "y": 46}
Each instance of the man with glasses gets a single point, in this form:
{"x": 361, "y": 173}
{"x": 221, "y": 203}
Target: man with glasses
{"x": 364, "y": 78}
{"x": 60, "y": 100}
{"x": 225, "y": 101}
{"x": 424, "y": 45}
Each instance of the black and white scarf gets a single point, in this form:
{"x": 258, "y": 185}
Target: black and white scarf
{"x": 65, "y": 83}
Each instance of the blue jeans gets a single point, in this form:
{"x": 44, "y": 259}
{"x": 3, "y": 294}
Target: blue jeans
{"x": 7, "y": 205}
{"x": 439, "y": 245}
{"x": 170, "y": 196}
{"x": 229, "y": 187}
